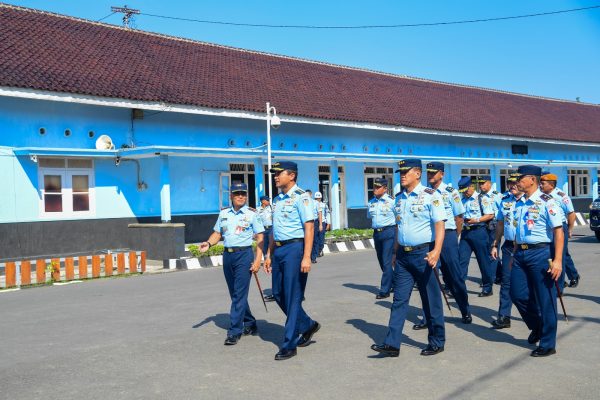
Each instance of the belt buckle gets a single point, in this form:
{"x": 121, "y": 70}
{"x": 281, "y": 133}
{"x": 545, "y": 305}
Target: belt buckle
{"x": 229, "y": 250}
{"x": 278, "y": 244}
{"x": 408, "y": 248}
{"x": 524, "y": 246}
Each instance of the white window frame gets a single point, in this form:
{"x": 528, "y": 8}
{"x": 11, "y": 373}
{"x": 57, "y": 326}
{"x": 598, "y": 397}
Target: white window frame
{"x": 66, "y": 175}
{"x": 388, "y": 174}
{"x": 576, "y": 186}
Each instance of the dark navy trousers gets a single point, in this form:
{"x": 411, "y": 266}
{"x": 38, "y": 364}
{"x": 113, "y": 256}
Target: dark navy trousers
{"x": 267, "y": 238}
{"x": 533, "y": 292}
{"x": 236, "y": 267}
{"x": 476, "y": 240}
{"x": 322, "y": 237}
{"x": 568, "y": 264}
{"x": 288, "y": 287}
{"x": 410, "y": 268}
{"x": 496, "y": 265}
{"x": 450, "y": 265}
{"x": 384, "y": 246}
{"x": 315, "y": 247}
{"x": 505, "y": 306}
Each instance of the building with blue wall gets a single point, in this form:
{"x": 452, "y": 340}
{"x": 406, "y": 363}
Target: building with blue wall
{"x": 187, "y": 118}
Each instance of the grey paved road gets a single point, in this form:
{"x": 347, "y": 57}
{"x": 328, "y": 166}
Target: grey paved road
{"x": 161, "y": 336}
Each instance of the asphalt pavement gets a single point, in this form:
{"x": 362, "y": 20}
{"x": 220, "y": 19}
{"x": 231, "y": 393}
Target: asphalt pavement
{"x": 160, "y": 336}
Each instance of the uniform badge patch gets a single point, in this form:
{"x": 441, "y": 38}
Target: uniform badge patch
{"x": 436, "y": 203}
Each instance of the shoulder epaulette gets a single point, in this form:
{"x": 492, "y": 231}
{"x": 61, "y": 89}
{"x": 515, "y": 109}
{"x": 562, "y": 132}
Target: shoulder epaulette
{"x": 545, "y": 197}
{"x": 252, "y": 209}
{"x": 495, "y": 192}
{"x": 429, "y": 190}
{"x": 298, "y": 191}
{"x": 506, "y": 196}
{"x": 449, "y": 189}
{"x": 397, "y": 194}
{"x": 561, "y": 194}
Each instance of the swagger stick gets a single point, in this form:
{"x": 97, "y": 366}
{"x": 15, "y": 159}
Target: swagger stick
{"x": 560, "y": 297}
{"x": 260, "y": 290}
{"x": 437, "y": 277}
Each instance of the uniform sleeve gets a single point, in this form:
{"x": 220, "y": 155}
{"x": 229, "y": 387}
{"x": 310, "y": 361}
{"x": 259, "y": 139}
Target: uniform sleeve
{"x": 554, "y": 213}
{"x": 487, "y": 206}
{"x": 457, "y": 206}
{"x": 369, "y": 210}
{"x": 499, "y": 213}
{"x": 257, "y": 225}
{"x": 305, "y": 207}
{"x": 438, "y": 212}
{"x": 568, "y": 205}
{"x": 217, "y": 227}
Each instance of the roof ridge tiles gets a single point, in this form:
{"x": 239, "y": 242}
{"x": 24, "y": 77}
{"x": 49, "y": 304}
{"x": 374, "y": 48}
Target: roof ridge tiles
{"x": 292, "y": 58}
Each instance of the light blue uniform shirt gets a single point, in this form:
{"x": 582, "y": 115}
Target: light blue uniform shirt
{"x": 494, "y": 198}
{"x": 290, "y": 212}
{"x": 326, "y": 213}
{"x": 506, "y": 214}
{"x": 323, "y": 209}
{"x": 564, "y": 201}
{"x": 452, "y": 204}
{"x": 238, "y": 228}
{"x": 315, "y": 209}
{"x": 381, "y": 211}
{"x": 473, "y": 208}
{"x": 266, "y": 215}
{"x": 536, "y": 217}
{"x": 416, "y": 214}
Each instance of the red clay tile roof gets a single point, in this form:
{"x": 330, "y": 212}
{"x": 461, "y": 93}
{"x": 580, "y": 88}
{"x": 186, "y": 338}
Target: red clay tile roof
{"x": 46, "y": 51}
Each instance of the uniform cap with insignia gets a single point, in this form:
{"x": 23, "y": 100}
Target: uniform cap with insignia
{"x": 513, "y": 177}
{"x": 483, "y": 178}
{"x": 405, "y": 165}
{"x": 284, "y": 165}
{"x": 238, "y": 187}
{"x": 529, "y": 170}
{"x": 549, "y": 177}
{"x": 435, "y": 166}
{"x": 464, "y": 183}
{"x": 380, "y": 182}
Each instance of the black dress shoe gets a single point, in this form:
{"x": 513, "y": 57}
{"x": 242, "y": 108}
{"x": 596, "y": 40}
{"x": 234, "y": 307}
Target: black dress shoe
{"x": 467, "y": 319}
{"x": 382, "y": 296}
{"x": 284, "y": 354}
{"x": 231, "y": 340}
{"x": 542, "y": 352}
{"x": 250, "y": 330}
{"x": 431, "y": 350}
{"x": 386, "y": 350}
{"x": 269, "y": 297}
{"x": 485, "y": 294}
{"x": 534, "y": 337}
{"x": 307, "y": 336}
{"x": 420, "y": 326}
{"x": 320, "y": 254}
{"x": 501, "y": 323}
{"x": 314, "y": 261}
{"x": 574, "y": 282}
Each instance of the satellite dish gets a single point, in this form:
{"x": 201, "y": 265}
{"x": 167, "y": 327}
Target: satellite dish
{"x": 104, "y": 142}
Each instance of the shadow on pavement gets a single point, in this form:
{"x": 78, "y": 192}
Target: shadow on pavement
{"x": 595, "y": 299}
{"x": 267, "y": 331}
{"x": 377, "y": 332}
{"x": 367, "y": 288}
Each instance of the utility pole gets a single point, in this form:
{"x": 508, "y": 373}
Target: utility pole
{"x": 127, "y": 12}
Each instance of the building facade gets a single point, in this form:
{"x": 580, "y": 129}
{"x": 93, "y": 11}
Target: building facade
{"x": 181, "y": 136}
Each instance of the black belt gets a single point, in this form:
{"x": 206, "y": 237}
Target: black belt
{"x": 510, "y": 243}
{"x": 280, "y": 243}
{"x": 236, "y": 249}
{"x": 268, "y": 227}
{"x": 383, "y": 228}
{"x": 472, "y": 227}
{"x": 408, "y": 249}
{"x": 447, "y": 230}
{"x": 529, "y": 246}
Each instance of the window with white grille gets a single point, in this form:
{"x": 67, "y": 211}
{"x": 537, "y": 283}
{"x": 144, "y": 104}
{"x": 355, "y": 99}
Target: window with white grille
{"x": 579, "y": 182}
{"x": 371, "y": 173}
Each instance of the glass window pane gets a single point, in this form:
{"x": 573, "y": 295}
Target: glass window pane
{"x": 81, "y": 183}
{"x": 53, "y": 203}
{"x": 81, "y": 202}
{"x": 79, "y": 163}
{"x": 52, "y": 183}
{"x": 52, "y": 162}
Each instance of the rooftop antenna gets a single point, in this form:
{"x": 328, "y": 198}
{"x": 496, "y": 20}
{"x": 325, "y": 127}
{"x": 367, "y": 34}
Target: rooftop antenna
{"x": 128, "y": 13}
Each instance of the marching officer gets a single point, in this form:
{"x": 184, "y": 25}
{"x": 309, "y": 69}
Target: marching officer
{"x": 323, "y": 211}
{"x": 485, "y": 191}
{"x": 420, "y": 217}
{"x": 450, "y": 262}
{"x": 506, "y": 227}
{"x": 288, "y": 258}
{"x": 265, "y": 212}
{"x": 548, "y": 186}
{"x": 237, "y": 225}
{"x": 532, "y": 281}
{"x": 381, "y": 214}
{"x": 474, "y": 238}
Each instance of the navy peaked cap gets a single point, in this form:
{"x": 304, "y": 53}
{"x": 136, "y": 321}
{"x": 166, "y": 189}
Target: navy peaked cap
{"x": 405, "y": 165}
{"x": 435, "y": 166}
{"x": 464, "y": 183}
{"x": 380, "y": 182}
{"x": 265, "y": 198}
{"x": 238, "y": 187}
{"x": 483, "y": 178}
{"x": 529, "y": 170}
{"x": 284, "y": 165}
